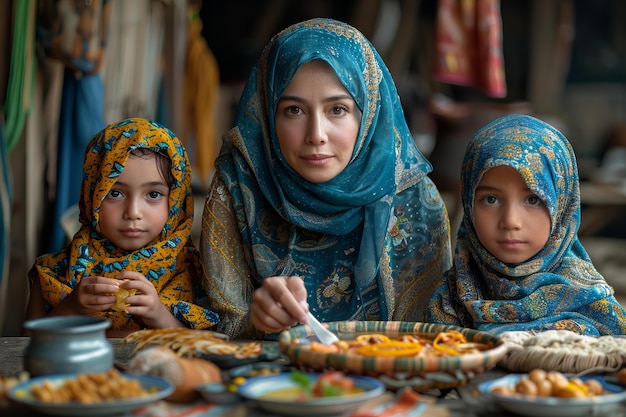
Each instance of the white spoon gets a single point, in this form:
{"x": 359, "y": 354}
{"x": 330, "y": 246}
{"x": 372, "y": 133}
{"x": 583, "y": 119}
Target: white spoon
{"x": 323, "y": 334}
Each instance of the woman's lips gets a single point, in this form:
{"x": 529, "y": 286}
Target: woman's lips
{"x": 317, "y": 159}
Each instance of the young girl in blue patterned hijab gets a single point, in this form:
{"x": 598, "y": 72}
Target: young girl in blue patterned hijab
{"x": 321, "y": 199}
{"x": 519, "y": 265}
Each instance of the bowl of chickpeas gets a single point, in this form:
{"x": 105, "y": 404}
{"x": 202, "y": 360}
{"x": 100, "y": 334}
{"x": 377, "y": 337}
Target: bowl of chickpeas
{"x": 552, "y": 393}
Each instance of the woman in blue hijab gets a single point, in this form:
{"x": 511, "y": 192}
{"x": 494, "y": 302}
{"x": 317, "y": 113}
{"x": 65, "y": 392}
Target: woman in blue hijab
{"x": 520, "y": 275}
{"x": 320, "y": 199}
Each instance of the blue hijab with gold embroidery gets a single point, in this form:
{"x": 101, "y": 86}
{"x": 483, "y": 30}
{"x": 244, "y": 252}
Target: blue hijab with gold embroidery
{"x": 558, "y": 288}
{"x": 380, "y": 165}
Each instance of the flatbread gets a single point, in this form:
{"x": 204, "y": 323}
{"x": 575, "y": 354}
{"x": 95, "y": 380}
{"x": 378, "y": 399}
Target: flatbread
{"x": 120, "y": 299}
{"x": 563, "y": 351}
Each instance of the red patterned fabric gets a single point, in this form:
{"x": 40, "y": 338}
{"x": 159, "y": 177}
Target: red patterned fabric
{"x": 469, "y": 45}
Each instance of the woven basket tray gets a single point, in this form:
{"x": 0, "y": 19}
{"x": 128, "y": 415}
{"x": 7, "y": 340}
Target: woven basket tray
{"x": 419, "y": 372}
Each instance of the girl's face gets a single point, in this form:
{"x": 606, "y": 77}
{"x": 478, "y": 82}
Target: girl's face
{"x": 510, "y": 221}
{"x": 136, "y": 208}
{"x": 317, "y": 123}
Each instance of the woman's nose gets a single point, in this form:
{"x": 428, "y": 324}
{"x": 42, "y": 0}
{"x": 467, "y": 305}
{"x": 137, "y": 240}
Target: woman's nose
{"x": 316, "y": 131}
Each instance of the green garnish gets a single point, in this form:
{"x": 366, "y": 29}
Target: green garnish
{"x": 330, "y": 390}
{"x": 302, "y": 380}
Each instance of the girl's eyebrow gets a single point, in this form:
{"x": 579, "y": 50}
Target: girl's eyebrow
{"x": 486, "y": 187}
{"x": 147, "y": 184}
{"x": 495, "y": 188}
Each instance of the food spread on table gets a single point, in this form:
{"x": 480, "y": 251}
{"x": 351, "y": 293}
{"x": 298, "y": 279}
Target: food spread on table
{"x": 178, "y": 357}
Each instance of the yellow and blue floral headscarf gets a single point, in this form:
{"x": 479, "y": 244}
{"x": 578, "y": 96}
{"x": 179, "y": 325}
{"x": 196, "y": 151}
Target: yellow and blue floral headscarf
{"x": 558, "y": 288}
{"x": 384, "y": 162}
{"x": 170, "y": 262}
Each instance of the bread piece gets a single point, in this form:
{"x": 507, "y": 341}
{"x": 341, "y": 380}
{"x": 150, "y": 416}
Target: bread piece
{"x": 120, "y": 299}
{"x": 184, "y": 373}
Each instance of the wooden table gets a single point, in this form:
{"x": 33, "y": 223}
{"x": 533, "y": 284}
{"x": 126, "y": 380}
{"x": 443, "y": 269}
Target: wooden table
{"x": 460, "y": 402}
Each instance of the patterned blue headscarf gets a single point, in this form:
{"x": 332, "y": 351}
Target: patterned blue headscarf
{"x": 558, "y": 288}
{"x": 384, "y": 162}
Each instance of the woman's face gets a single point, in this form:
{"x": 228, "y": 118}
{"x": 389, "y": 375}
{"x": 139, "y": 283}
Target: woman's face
{"x": 317, "y": 123}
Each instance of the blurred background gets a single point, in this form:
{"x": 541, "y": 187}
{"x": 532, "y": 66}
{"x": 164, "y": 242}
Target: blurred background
{"x": 70, "y": 67}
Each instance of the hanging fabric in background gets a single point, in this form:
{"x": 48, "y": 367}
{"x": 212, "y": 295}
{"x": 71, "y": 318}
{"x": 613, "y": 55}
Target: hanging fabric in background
{"x": 469, "y": 45}
{"x": 16, "y": 106}
{"x": 19, "y": 94}
{"x": 200, "y": 100}
{"x": 75, "y": 33}
{"x": 5, "y": 226}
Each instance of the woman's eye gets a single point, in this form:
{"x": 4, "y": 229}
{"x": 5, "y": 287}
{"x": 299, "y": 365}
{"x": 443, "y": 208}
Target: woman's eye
{"x": 339, "y": 110}
{"x": 293, "y": 110}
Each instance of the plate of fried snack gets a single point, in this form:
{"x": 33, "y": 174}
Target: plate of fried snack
{"x": 419, "y": 355}
{"x": 554, "y": 394}
{"x": 90, "y": 394}
{"x": 213, "y": 346}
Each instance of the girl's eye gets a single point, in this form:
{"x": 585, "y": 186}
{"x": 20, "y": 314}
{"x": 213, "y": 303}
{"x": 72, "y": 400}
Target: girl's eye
{"x": 533, "y": 200}
{"x": 115, "y": 194}
{"x": 155, "y": 195}
{"x": 490, "y": 200}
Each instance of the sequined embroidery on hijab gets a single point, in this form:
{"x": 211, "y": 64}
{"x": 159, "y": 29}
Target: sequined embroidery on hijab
{"x": 385, "y": 160}
{"x": 558, "y": 288}
{"x": 171, "y": 262}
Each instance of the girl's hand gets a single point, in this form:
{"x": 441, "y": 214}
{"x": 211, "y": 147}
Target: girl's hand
{"x": 146, "y": 302}
{"x": 279, "y": 303}
{"x": 93, "y": 295}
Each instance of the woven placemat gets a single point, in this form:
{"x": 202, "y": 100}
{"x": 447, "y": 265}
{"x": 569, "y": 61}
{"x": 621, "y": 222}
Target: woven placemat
{"x": 563, "y": 351}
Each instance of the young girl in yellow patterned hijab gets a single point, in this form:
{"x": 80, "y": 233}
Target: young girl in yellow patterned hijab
{"x": 136, "y": 213}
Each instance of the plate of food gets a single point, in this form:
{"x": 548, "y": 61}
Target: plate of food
{"x": 318, "y": 394}
{"x": 94, "y": 394}
{"x": 419, "y": 355}
{"x": 562, "y": 396}
{"x": 213, "y": 346}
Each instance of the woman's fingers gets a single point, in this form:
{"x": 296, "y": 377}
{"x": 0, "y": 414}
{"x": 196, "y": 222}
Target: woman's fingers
{"x": 277, "y": 304}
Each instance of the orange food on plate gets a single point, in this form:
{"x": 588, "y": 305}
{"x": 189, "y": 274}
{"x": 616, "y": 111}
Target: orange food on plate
{"x": 539, "y": 383}
{"x": 332, "y": 378}
{"x": 450, "y": 343}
